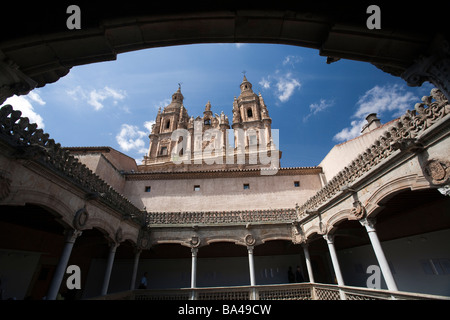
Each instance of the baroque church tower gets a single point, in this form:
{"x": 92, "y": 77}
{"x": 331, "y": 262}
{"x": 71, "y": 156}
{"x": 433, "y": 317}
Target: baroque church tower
{"x": 179, "y": 142}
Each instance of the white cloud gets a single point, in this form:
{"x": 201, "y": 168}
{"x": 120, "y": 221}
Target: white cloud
{"x": 392, "y": 99}
{"x": 97, "y": 97}
{"x": 162, "y": 104}
{"x": 130, "y": 137}
{"x": 286, "y": 86}
{"x": 349, "y": 133}
{"x": 148, "y": 125}
{"x": 23, "y": 103}
{"x": 291, "y": 60}
{"x": 315, "y": 108}
{"x": 265, "y": 83}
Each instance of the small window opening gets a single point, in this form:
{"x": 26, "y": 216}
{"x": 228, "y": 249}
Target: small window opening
{"x": 249, "y": 113}
{"x": 168, "y": 124}
{"x": 148, "y": 189}
{"x": 163, "y": 151}
{"x": 246, "y": 186}
{"x": 196, "y": 188}
{"x": 252, "y": 140}
{"x": 207, "y": 122}
{"x": 296, "y": 184}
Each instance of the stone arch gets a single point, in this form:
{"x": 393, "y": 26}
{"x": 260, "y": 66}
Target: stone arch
{"x": 63, "y": 212}
{"x": 106, "y": 228}
{"x": 390, "y": 189}
{"x": 337, "y": 218}
{"x": 110, "y": 31}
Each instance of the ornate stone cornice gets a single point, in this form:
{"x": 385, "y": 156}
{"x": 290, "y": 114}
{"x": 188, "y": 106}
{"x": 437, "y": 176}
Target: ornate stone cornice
{"x": 225, "y": 173}
{"x": 33, "y": 144}
{"x": 219, "y": 217}
{"x": 409, "y": 127}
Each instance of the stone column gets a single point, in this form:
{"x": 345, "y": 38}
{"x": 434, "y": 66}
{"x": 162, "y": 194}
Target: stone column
{"x": 308, "y": 262}
{"x": 71, "y": 236}
{"x": 109, "y": 265}
{"x": 334, "y": 259}
{"x": 137, "y": 253}
{"x": 194, "y": 268}
{"x": 251, "y": 265}
{"x": 369, "y": 224}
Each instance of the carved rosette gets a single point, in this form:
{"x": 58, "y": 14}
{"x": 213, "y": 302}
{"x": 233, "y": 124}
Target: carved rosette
{"x": 80, "y": 219}
{"x": 249, "y": 240}
{"x": 437, "y": 171}
{"x": 358, "y": 210}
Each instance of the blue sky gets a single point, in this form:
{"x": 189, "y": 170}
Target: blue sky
{"x": 314, "y": 105}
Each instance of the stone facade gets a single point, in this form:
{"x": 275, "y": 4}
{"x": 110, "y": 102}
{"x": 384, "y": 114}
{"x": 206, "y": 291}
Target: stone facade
{"x": 179, "y": 142}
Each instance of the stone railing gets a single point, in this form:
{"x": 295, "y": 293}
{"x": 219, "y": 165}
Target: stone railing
{"x": 32, "y": 143}
{"x": 400, "y": 136}
{"x": 226, "y": 217}
{"x": 298, "y": 291}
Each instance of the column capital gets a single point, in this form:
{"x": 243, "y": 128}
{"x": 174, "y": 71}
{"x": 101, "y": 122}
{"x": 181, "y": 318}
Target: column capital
{"x": 194, "y": 251}
{"x": 329, "y": 238}
{"x": 250, "y": 249}
{"x": 369, "y": 224}
{"x": 72, "y": 234}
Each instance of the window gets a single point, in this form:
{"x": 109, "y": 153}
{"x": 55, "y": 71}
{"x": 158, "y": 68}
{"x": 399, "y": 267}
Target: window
{"x": 168, "y": 124}
{"x": 252, "y": 140}
{"x": 148, "y": 189}
{"x": 196, "y": 188}
{"x": 249, "y": 113}
{"x": 207, "y": 122}
{"x": 163, "y": 151}
{"x": 296, "y": 184}
{"x": 246, "y": 186}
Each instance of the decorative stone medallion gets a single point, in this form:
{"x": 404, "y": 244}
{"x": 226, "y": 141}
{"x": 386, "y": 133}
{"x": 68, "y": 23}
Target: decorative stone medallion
{"x": 119, "y": 235}
{"x": 438, "y": 171}
{"x": 250, "y": 240}
{"x": 358, "y": 210}
{"x": 144, "y": 240}
{"x": 195, "y": 241}
{"x": 80, "y": 219}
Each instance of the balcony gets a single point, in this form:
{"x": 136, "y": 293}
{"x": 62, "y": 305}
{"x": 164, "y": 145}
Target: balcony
{"x": 299, "y": 291}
